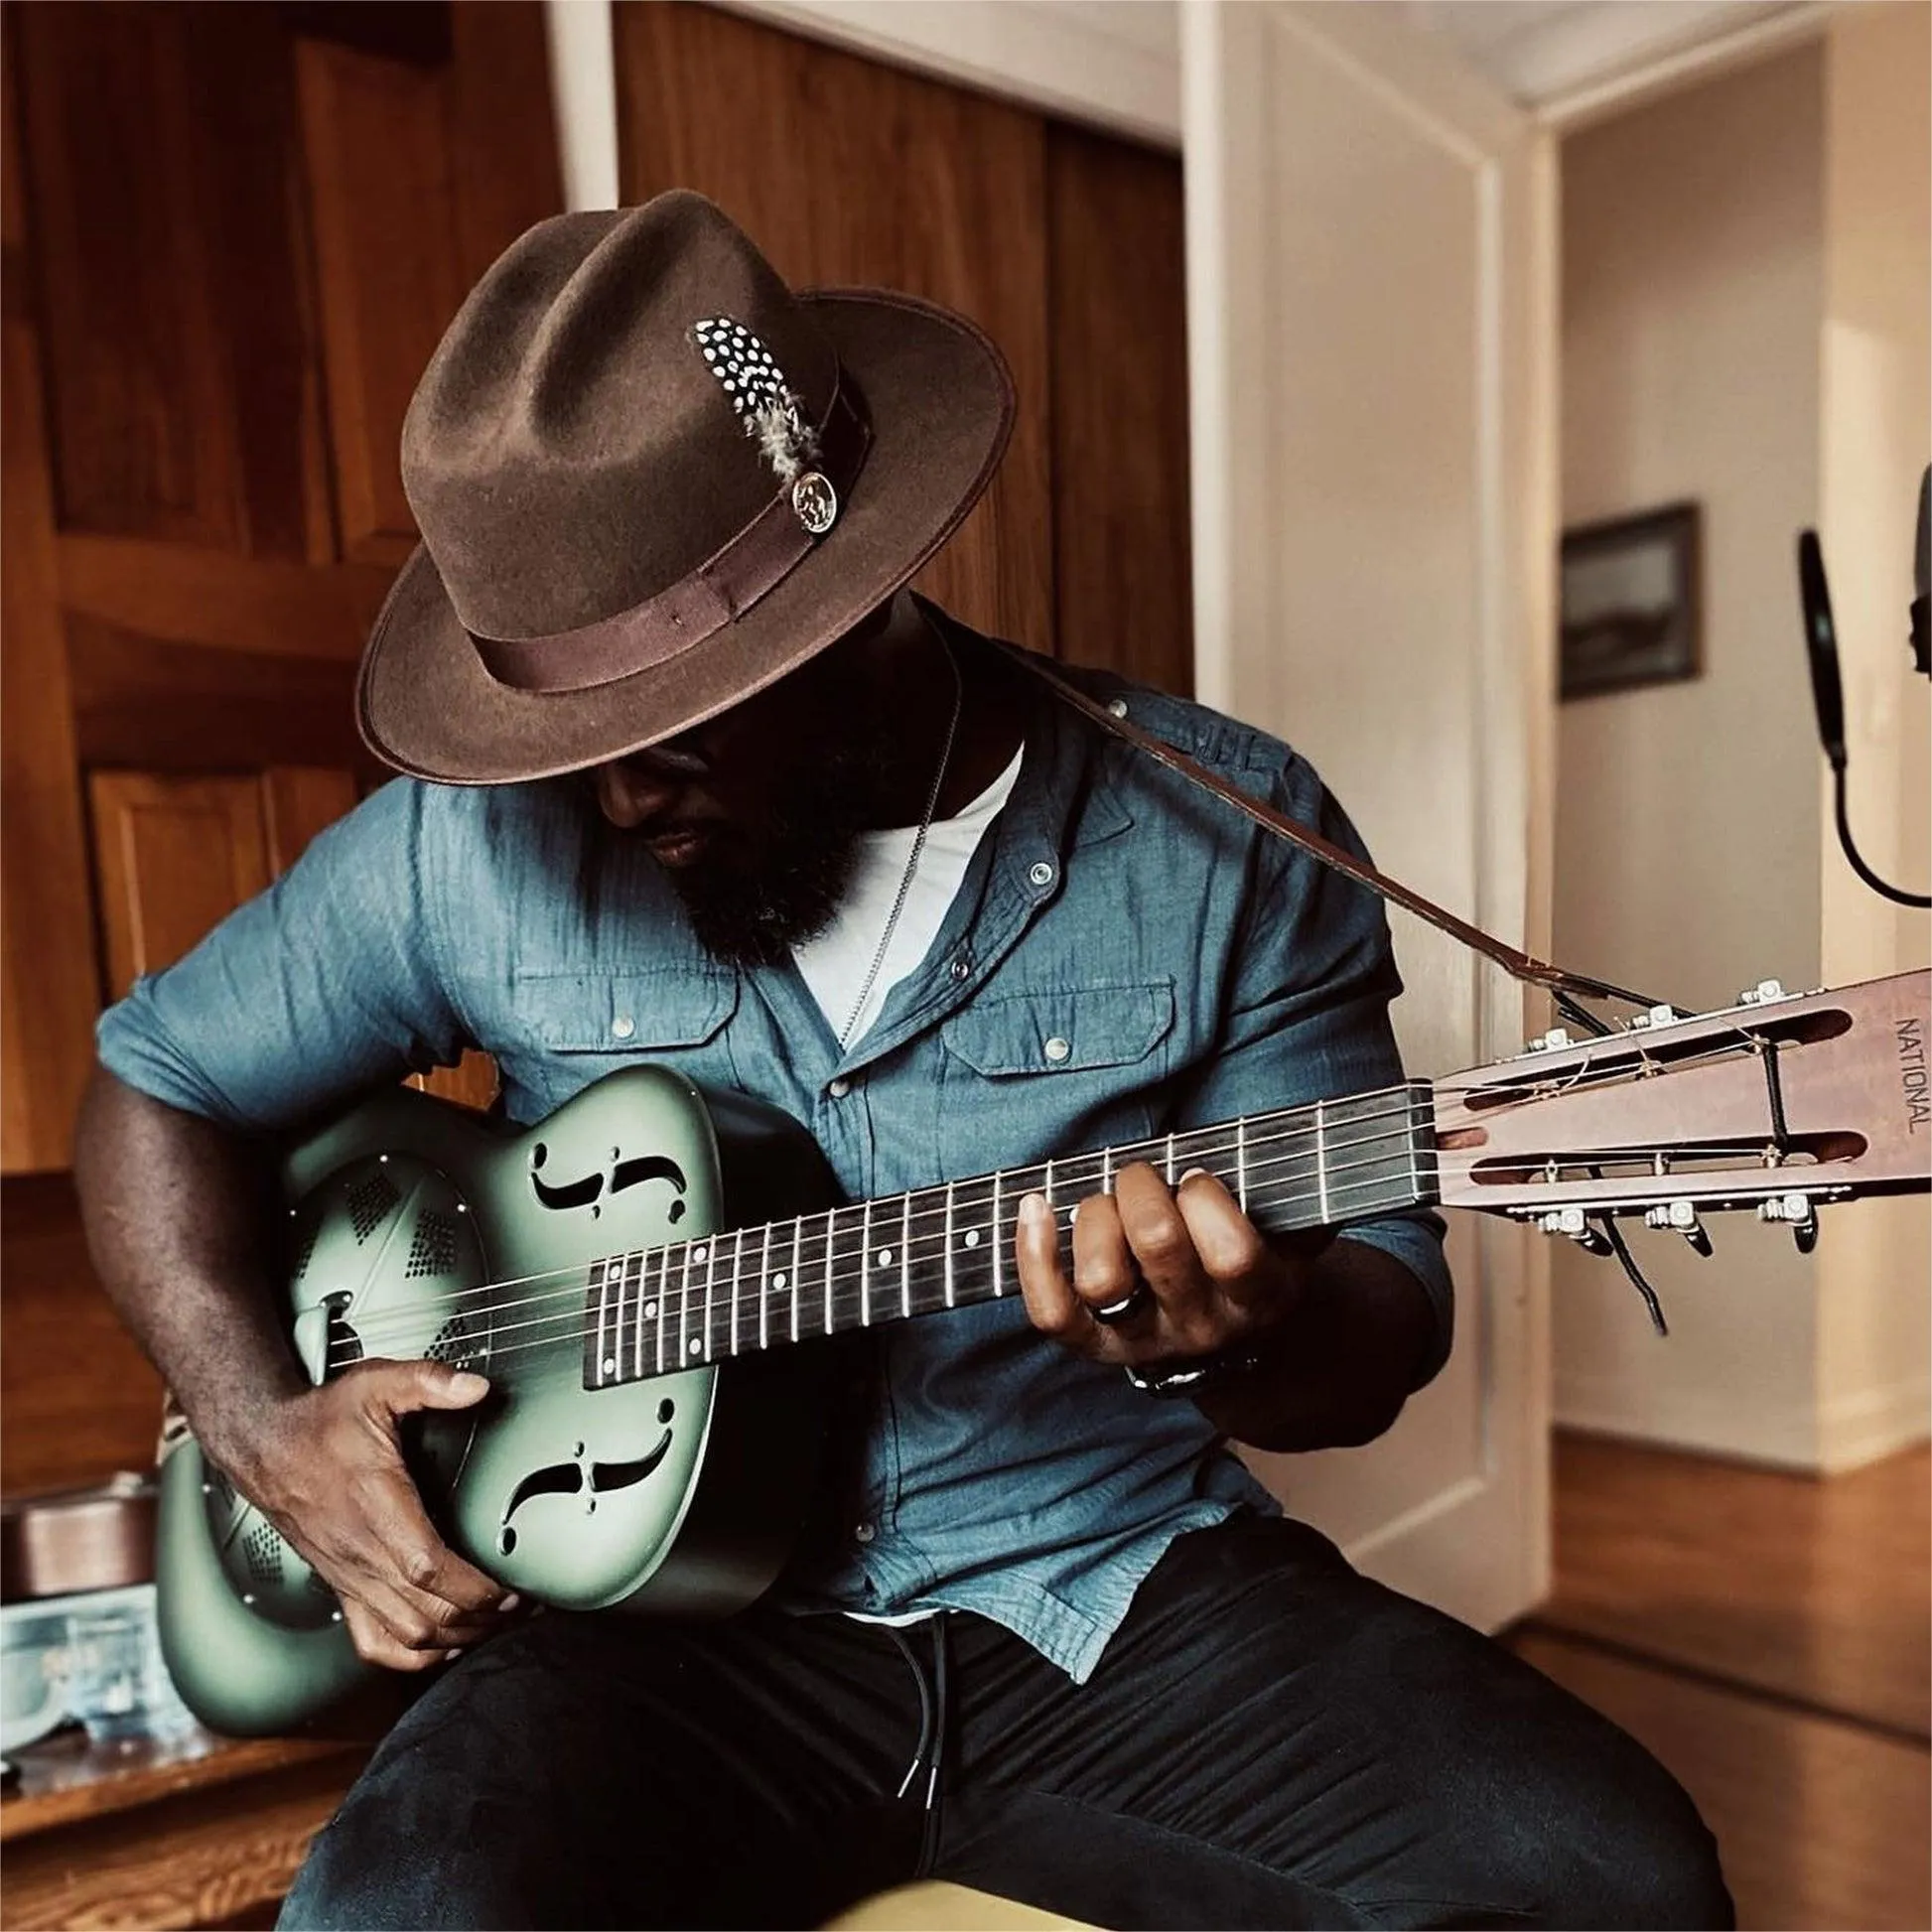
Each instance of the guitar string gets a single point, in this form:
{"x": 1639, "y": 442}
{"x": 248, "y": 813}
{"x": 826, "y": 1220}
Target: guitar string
{"x": 812, "y": 1285}
{"x": 1406, "y": 1095}
{"x": 842, "y": 1273}
{"x": 575, "y": 1271}
{"x": 573, "y": 1276}
{"x": 568, "y": 1325}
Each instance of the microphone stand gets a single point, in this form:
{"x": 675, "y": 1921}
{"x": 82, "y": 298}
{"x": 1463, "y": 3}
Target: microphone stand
{"x": 1821, "y": 649}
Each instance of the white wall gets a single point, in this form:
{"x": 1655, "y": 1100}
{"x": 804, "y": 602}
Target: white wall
{"x": 1878, "y": 396}
{"x": 1687, "y": 822}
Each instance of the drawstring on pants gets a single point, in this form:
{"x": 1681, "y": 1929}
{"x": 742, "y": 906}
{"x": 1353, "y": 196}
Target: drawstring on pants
{"x": 928, "y": 1754}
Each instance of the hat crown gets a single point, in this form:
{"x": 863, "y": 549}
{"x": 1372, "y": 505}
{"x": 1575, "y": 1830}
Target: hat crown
{"x": 570, "y": 451}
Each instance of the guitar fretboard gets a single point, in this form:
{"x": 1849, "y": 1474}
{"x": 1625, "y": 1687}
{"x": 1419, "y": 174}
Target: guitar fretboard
{"x": 655, "y": 1311}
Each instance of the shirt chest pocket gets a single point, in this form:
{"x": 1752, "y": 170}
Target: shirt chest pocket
{"x": 1050, "y": 1071}
{"x": 575, "y": 1028}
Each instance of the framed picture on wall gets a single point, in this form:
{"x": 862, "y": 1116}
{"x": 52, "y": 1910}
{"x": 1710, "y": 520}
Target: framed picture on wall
{"x": 1632, "y": 602}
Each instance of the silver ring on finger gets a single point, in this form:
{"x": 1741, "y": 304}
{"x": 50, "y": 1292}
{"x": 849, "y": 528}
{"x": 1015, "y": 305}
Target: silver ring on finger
{"x": 1110, "y": 1315}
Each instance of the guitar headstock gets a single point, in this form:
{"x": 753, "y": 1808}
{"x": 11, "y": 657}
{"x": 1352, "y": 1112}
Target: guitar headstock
{"x": 1778, "y": 1103}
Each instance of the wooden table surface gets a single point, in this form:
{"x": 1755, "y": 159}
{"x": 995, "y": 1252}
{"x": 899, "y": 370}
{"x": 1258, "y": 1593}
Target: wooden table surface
{"x": 189, "y": 1831}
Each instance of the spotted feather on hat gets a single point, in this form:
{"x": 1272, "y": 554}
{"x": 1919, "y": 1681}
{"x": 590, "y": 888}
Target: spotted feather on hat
{"x": 769, "y": 409}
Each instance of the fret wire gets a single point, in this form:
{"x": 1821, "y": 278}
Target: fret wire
{"x": 1241, "y": 1163}
{"x": 1169, "y": 1159}
{"x": 710, "y": 1252}
{"x": 1321, "y": 1160}
{"x": 738, "y": 1276}
{"x": 998, "y": 1244}
{"x": 797, "y": 1243}
{"x": 865, "y": 1266}
{"x": 683, "y": 1299}
{"x": 829, "y": 1214}
{"x": 643, "y": 1271}
{"x": 949, "y": 1224}
{"x": 764, "y": 1288}
{"x": 905, "y": 1256}
{"x": 663, "y": 1294}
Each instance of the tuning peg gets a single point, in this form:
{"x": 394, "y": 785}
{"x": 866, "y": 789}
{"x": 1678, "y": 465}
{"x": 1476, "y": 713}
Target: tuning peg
{"x": 1661, "y": 1015}
{"x": 1682, "y": 1216}
{"x": 1798, "y": 1213}
{"x": 1575, "y": 1225}
{"x": 1548, "y": 1042}
{"x": 1762, "y": 993}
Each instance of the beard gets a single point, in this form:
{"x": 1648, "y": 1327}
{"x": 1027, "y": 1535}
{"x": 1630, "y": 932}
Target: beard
{"x": 764, "y": 888}
{"x": 754, "y": 897}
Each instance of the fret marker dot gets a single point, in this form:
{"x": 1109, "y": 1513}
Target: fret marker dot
{"x": 885, "y": 1257}
{"x": 972, "y": 1238}
{"x": 650, "y": 1311}
{"x": 777, "y": 1281}
{"x": 610, "y": 1364}
{"x": 696, "y": 1346}
{"x": 700, "y": 1254}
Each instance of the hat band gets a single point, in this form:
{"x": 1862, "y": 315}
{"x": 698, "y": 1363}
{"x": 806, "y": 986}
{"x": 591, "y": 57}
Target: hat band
{"x": 725, "y": 584}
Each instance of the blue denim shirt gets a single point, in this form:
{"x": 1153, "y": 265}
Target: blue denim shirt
{"x": 1197, "y": 968}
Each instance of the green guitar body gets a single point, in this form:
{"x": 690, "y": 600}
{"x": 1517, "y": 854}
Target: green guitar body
{"x": 419, "y": 1229}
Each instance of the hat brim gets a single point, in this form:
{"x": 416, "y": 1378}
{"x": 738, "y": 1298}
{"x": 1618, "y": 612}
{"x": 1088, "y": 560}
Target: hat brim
{"x": 941, "y": 405}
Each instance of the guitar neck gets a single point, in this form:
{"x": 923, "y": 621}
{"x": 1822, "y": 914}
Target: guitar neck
{"x": 706, "y": 1299}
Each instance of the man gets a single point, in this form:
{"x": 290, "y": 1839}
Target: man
{"x": 710, "y": 788}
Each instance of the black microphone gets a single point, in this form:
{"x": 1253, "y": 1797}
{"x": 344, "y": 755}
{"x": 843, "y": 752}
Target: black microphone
{"x": 1821, "y": 649}
{"x": 1827, "y": 692}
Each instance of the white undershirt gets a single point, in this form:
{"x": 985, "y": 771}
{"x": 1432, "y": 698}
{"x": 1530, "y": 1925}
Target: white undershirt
{"x": 836, "y": 962}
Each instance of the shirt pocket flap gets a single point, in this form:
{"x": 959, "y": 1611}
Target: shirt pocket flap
{"x": 620, "y": 1013}
{"x": 1071, "y": 1031}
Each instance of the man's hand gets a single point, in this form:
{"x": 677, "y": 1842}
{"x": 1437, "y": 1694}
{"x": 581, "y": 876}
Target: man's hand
{"x": 1213, "y": 1278}
{"x": 327, "y": 1467}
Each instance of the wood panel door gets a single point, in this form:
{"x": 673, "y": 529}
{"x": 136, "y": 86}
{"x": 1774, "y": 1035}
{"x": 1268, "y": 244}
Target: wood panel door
{"x": 233, "y": 235}
{"x": 1374, "y": 493}
{"x": 849, "y": 171}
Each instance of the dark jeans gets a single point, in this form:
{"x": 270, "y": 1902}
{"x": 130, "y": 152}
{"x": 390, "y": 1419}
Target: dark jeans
{"x": 1270, "y": 1741}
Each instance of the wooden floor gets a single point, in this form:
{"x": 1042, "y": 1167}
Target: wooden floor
{"x": 1769, "y": 1637}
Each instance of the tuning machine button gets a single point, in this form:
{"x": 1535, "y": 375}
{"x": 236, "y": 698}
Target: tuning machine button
{"x": 1795, "y": 1211}
{"x": 1661, "y": 1015}
{"x": 1549, "y": 1043}
{"x": 1763, "y": 993}
{"x": 1682, "y": 1216}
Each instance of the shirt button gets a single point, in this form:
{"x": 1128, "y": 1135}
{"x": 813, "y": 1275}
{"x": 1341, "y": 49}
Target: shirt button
{"x": 962, "y": 967}
{"x": 1057, "y": 1049}
{"x": 864, "y": 1533}
{"x": 839, "y": 1089}
{"x": 624, "y": 1025}
{"x": 1118, "y": 707}
{"x": 1041, "y": 873}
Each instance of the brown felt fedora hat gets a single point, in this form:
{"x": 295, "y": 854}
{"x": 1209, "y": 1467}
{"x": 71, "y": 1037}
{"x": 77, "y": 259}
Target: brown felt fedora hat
{"x": 650, "y": 478}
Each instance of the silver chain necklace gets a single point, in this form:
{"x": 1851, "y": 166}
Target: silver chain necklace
{"x": 919, "y": 846}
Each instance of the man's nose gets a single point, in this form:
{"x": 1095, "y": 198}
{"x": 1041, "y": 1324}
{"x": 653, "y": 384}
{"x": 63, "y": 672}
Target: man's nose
{"x": 628, "y": 792}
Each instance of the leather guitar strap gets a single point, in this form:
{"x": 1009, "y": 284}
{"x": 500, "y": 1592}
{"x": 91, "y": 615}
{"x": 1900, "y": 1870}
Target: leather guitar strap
{"x": 1519, "y": 965}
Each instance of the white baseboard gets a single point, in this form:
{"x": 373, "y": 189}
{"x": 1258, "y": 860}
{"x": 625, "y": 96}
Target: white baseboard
{"x": 1817, "y": 1439}
{"x": 1720, "y": 1421}
{"x": 1873, "y": 1423}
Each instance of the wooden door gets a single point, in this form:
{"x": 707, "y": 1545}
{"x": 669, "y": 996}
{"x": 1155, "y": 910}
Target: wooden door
{"x": 1371, "y": 330}
{"x": 1062, "y": 243}
{"x": 233, "y": 235}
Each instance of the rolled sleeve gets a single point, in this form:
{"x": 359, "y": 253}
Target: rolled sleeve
{"x": 1306, "y": 1013}
{"x": 323, "y": 986}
